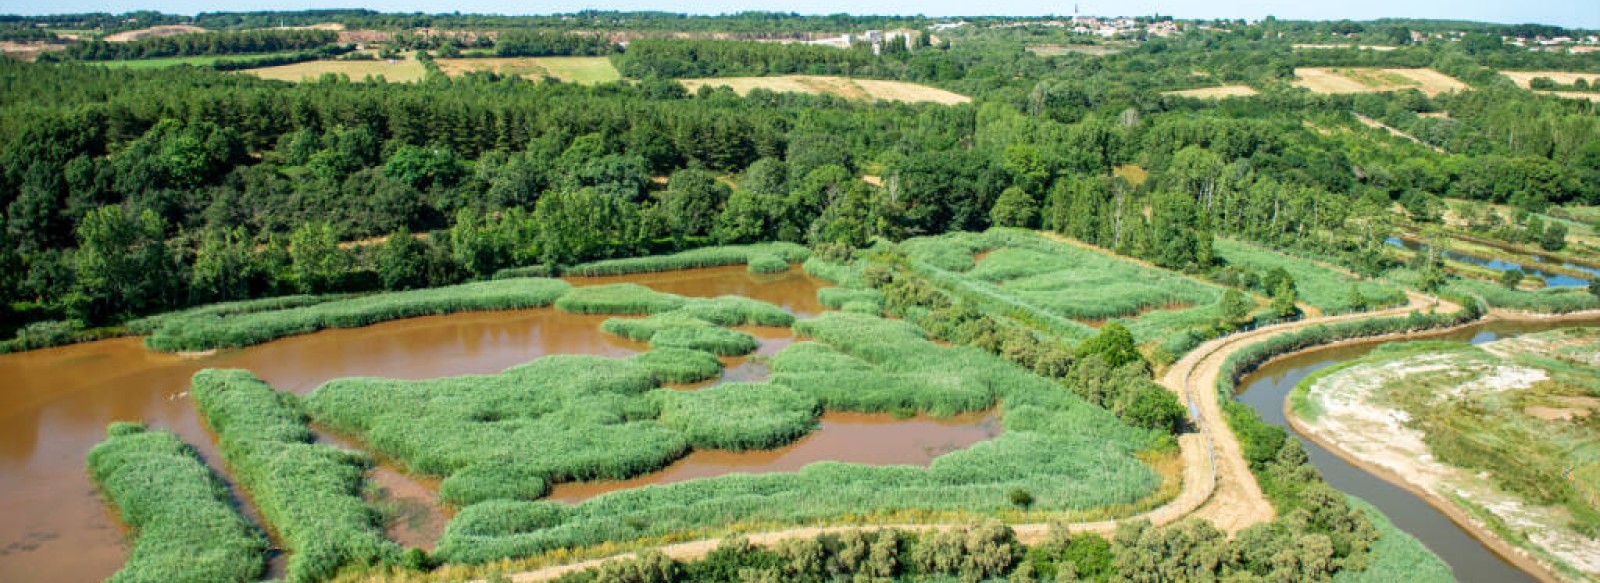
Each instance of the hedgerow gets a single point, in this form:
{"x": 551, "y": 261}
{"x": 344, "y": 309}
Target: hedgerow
{"x": 209, "y": 329}
{"x": 187, "y": 529}
{"x": 310, "y": 494}
{"x": 705, "y": 257}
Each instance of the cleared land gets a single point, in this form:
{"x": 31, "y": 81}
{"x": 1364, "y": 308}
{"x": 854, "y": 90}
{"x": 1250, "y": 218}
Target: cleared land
{"x": 1215, "y": 92}
{"x": 1370, "y": 80}
{"x": 1524, "y": 79}
{"x": 582, "y": 70}
{"x": 152, "y": 32}
{"x": 399, "y": 71}
{"x": 1501, "y": 432}
{"x": 844, "y": 87}
{"x": 1058, "y": 50}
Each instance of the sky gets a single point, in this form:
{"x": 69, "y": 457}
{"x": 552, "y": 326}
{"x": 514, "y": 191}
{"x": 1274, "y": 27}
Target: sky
{"x": 1570, "y": 13}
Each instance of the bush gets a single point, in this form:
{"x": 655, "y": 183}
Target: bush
{"x": 187, "y": 529}
{"x": 310, "y": 493}
{"x": 253, "y": 323}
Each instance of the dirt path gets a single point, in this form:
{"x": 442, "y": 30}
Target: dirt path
{"x": 1217, "y": 483}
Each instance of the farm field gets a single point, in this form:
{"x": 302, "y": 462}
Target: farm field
{"x": 1501, "y": 431}
{"x": 1215, "y": 92}
{"x": 582, "y": 70}
{"x": 842, "y": 87}
{"x": 1524, "y": 79}
{"x": 1370, "y": 80}
{"x": 401, "y": 71}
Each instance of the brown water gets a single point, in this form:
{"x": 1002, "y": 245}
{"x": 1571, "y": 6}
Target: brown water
{"x": 56, "y": 403}
{"x": 877, "y": 439}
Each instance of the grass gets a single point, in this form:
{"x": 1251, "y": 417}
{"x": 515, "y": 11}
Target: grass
{"x": 704, "y": 257}
{"x": 680, "y": 365}
{"x": 740, "y": 416}
{"x": 618, "y": 298}
{"x": 1545, "y": 301}
{"x": 238, "y": 325}
{"x": 677, "y": 321}
{"x": 1396, "y": 556}
{"x": 1317, "y": 284}
{"x": 718, "y": 341}
{"x": 202, "y": 61}
{"x": 841, "y": 87}
{"x": 309, "y": 494}
{"x": 188, "y": 529}
{"x": 580, "y": 70}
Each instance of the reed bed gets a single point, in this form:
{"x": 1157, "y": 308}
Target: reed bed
{"x": 211, "y": 329}
{"x": 618, "y": 298}
{"x": 692, "y": 323}
{"x": 705, "y": 257}
{"x": 309, "y": 493}
{"x": 1069, "y": 455}
{"x": 678, "y": 365}
{"x": 766, "y": 264}
{"x": 185, "y": 530}
{"x": 740, "y": 416}
{"x": 1317, "y": 284}
{"x": 718, "y": 341}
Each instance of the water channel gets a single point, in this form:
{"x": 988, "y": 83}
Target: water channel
{"x": 1471, "y": 561}
{"x": 1550, "y": 279}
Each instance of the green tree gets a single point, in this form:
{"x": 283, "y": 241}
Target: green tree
{"x": 693, "y": 200}
{"x": 122, "y": 264}
{"x": 1014, "y": 208}
{"x": 1235, "y": 307}
{"x": 402, "y": 261}
{"x": 1554, "y": 238}
{"x": 315, "y": 258}
{"x": 1114, "y": 343}
{"x": 1511, "y": 278}
{"x": 225, "y": 268}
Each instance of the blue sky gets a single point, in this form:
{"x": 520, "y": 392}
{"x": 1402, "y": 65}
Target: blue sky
{"x": 1572, "y": 13}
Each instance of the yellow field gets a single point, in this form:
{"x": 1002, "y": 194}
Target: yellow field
{"x": 401, "y": 71}
{"x": 1369, "y": 80}
{"x": 1215, "y": 92}
{"x": 844, "y": 87}
{"x": 583, "y": 70}
{"x": 1524, "y": 79}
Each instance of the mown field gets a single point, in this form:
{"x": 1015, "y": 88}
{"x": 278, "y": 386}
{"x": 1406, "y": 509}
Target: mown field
{"x": 1369, "y": 80}
{"x": 405, "y": 70}
{"x": 582, "y": 70}
{"x": 842, "y": 87}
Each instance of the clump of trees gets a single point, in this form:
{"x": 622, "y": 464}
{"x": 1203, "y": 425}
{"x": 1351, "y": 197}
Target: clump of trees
{"x": 198, "y": 44}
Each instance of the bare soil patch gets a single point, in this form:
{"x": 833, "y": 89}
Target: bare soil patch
{"x": 1215, "y": 92}
{"x": 400, "y": 70}
{"x": 584, "y": 70}
{"x": 153, "y": 32}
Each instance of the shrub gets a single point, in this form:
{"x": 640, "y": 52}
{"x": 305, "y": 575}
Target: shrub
{"x": 187, "y": 529}
{"x": 310, "y": 493}
{"x": 205, "y": 330}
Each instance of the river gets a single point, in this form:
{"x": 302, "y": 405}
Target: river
{"x": 1472, "y": 562}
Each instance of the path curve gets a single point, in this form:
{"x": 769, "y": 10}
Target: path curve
{"x": 1217, "y": 483}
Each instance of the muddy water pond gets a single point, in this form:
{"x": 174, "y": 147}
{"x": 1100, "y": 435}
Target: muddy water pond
{"x": 1472, "y": 562}
{"x": 56, "y": 403}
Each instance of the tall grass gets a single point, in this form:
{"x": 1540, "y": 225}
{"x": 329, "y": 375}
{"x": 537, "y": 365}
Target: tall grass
{"x": 185, "y": 527}
{"x": 1395, "y": 556}
{"x": 677, "y": 365}
{"x": 618, "y": 298}
{"x": 767, "y": 264}
{"x": 309, "y": 493}
{"x": 1318, "y": 285}
{"x": 1069, "y": 455}
{"x": 680, "y": 322}
{"x": 211, "y": 328}
{"x": 740, "y": 416}
{"x": 705, "y": 257}
{"x": 718, "y": 341}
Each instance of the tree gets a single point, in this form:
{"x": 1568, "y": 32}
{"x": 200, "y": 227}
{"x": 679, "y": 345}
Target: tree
{"x": 122, "y": 264}
{"x": 1235, "y": 308}
{"x": 1554, "y": 238}
{"x": 1511, "y": 278}
{"x": 1114, "y": 343}
{"x": 315, "y": 258}
{"x": 1014, "y": 208}
{"x": 225, "y": 268}
{"x": 401, "y": 262}
{"x": 1284, "y": 296}
{"x": 693, "y": 200}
